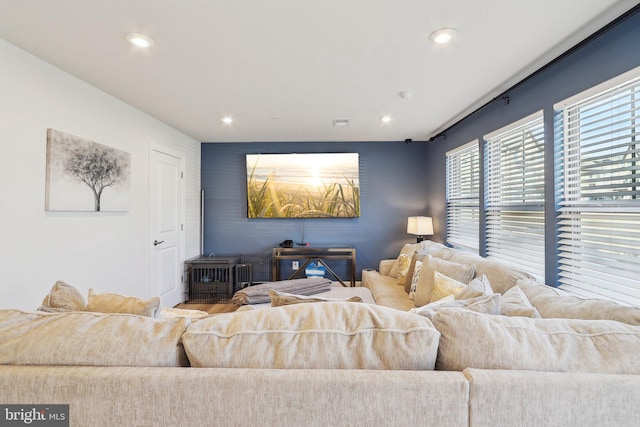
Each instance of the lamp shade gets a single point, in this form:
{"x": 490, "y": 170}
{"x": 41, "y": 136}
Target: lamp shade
{"x": 420, "y": 225}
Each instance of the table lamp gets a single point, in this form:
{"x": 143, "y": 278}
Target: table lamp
{"x": 420, "y": 226}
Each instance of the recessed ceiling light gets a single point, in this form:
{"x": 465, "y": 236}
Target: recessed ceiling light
{"x": 227, "y": 120}
{"x": 443, "y": 35}
{"x": 139, "y": 39}
{"x": 385, "y": 119}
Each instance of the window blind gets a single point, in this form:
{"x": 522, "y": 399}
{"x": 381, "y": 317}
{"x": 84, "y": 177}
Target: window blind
{"x": 463, "y": 195}
{"x": 514, "y": 194}
{"x": 599, "y": 203}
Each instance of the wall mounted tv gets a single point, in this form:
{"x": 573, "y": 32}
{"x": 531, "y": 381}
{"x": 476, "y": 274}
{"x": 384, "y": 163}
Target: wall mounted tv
{"x": 309, "y": 185}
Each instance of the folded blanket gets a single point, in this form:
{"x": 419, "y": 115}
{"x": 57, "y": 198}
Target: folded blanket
{"x": 260, "y": 293}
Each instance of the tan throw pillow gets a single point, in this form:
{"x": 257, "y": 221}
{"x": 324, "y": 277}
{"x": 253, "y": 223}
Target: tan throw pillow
{"x": 63, "y": 297}
{"x": 404, "y": 263}
{"x": 516, "y": 303}
{"x": 475, "y": 340}
{"x": 444, "y": 286}
{"x": 407, "y": 249}
{"x": 90, "y": 339}
{"x": 114, "y": 303}
{"x": 333, "y": 335}
{"x": 282, "y": 298}
{"x": 476, "y": 288}
{"x": 460, "y": 272}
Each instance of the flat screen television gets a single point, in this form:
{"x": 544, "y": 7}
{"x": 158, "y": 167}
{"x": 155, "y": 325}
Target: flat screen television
{"x": 309, "y": 185}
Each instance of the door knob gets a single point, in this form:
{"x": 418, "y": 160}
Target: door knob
{"x": 156, "y": 243}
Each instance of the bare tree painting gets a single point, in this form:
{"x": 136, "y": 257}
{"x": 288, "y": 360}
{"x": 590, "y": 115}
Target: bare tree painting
{"x": 83, "y": 175}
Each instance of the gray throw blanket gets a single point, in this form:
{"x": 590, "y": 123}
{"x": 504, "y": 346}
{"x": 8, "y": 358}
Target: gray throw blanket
{"x": 259, "y": 294}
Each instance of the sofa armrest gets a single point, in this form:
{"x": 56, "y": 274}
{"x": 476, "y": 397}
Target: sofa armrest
{"x": 385, "y": 266}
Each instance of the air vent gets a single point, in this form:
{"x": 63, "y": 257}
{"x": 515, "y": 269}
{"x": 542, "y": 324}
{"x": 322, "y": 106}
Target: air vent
{"x": 341, "y": 122}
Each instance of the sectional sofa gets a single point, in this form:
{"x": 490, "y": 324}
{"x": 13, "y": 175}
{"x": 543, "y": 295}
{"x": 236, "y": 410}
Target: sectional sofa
{"x": 451, "y": 362}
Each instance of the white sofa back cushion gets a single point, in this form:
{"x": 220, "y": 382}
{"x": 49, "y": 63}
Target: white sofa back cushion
{"x": 90, "y": 339}
{"x": 476, "y": 340}
{"x": 329, "y": 335}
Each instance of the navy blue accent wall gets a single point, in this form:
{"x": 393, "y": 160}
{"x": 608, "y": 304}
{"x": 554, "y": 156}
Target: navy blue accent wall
{"x": 610, "y": 54}
{"x": 393, "y": 184}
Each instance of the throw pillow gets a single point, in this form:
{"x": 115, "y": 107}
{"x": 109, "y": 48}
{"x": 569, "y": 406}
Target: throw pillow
{"x": 415, "y": 277}
{"x": 416, "y": 259}
{"x": 476, "y": 340}
{"x": 63, "y": 297}
{"x": 408, "y": 249}
{"x": 460, "y": 272}
{"x": 488, "y": 304}
{"x": 444, "y": 286}
{"x": 477, "y": 287}
{"x": 114, "y": 303}
{"x": 404, "y": 263}
{"x": 333, "y": 335}
{"x": 90, "y": 339}
{"x": 516, "y": 303}
{"x": 282, "y": 298}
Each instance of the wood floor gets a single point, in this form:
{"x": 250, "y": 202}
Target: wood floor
{"x": 209, "y": 308}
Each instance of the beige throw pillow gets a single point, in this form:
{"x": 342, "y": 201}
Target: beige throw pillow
{"x": 515, "y": 303}
{"x": 113, "y": 303}
{"x": 424, "y": 288}
{"x": 404, "y": 263}
{"x": 90, "y": 339}
{"x": 477, "y": 287}
{"x": 282, "y": 298}
{"x": 332, "y": 335}
{"x": 444, "y": 286}
{"x": 408, "y": 249}
{"x": 475, "y": 340}
{"x": 62, "y": 298}
{"x": 488, "y": 304}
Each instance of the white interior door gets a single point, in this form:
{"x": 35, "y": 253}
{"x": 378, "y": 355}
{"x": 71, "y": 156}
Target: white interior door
{"x": 166, "y": 226}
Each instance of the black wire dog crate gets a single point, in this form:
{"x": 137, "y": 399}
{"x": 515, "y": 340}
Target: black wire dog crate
{"x": 214, "y": 279}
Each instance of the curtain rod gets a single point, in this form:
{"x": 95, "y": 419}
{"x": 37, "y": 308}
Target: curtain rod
{"x": 505, "y": 98}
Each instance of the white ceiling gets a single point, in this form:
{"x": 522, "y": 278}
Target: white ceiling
{"x": 284, "y": 69}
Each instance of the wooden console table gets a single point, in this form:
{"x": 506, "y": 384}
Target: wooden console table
{"x": 318, "y": 254}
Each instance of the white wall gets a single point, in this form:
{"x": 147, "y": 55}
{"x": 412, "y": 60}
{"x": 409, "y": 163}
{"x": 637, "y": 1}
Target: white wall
{"x": 106, "y": 251}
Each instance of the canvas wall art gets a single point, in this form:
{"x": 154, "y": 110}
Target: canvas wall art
{"x": 83, "y": 175}
{"x": 310, "y": 185}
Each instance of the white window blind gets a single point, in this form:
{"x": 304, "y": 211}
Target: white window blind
{"x": 463, "y": 195}
{"x": 514, "y": 194}
{"x": 599, "y": 228}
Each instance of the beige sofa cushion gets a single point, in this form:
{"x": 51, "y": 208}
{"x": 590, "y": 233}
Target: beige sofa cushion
{"x": 502, "y": 276}
{"x": 62, "y": 298}
{"x": 424, "y": 288}
{"x": 90, "y": 339}
{"x": 333, "y": 335}
{"x": 114, "y": 303}
{"x": 384, "y": 290}
{"x": 551, "y": 302}
{"x": 475, "y": 340}
{"x": 515, "y": 303}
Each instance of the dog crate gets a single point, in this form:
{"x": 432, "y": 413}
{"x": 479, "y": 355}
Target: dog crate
{"x": 212, "y": 279}
{"x": 260, "y": 267}
{"x": 242, "y": 276}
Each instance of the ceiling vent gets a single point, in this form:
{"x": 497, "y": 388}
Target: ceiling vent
{"x": 341, "y": 122}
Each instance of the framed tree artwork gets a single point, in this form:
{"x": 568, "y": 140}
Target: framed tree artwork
{"x": 83, "y": 175}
